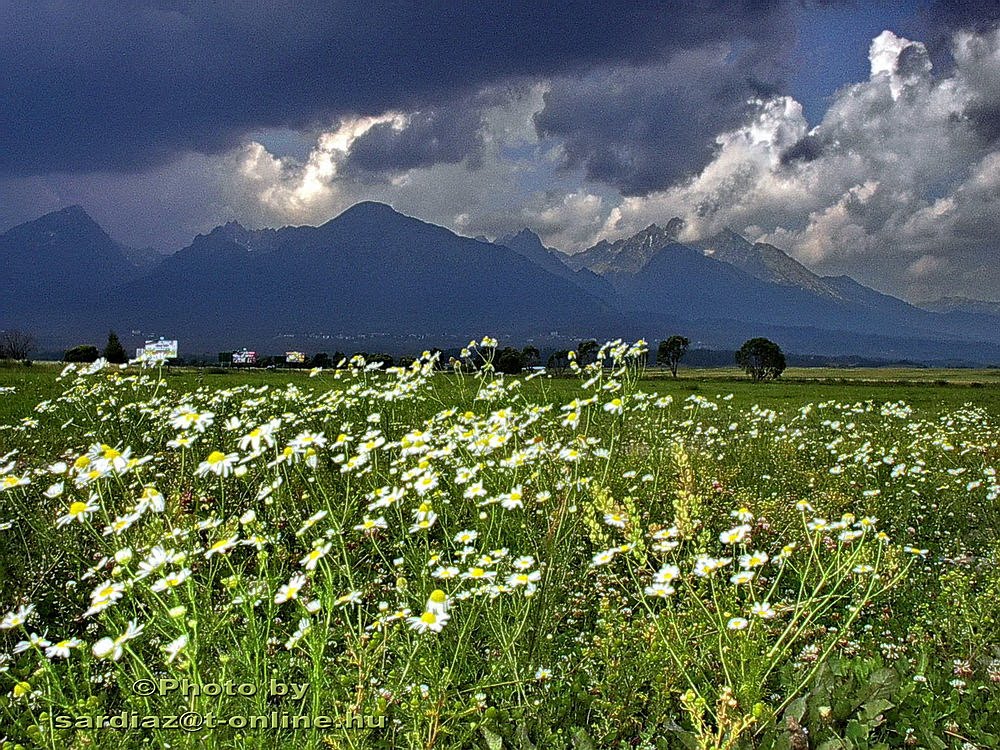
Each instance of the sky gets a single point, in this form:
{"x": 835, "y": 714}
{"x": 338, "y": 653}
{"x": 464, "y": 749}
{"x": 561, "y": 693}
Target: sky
{"x": 861, "y": 138}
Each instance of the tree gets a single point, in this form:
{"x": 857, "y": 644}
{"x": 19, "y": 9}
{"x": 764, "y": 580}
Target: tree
{"x": 15, "y": 344}
{"x": 114, "y": 352}
{"x": 321, "y": 359}
{"x": 761, "y": 358}
{"x": 530, "y": 356}
{"x": 509, "y": 361}
{"x": 671, "y": 351}
{"x": 558, "y": 360}
{"x": 587, "y": 352}
{"x": 82, "y": 353}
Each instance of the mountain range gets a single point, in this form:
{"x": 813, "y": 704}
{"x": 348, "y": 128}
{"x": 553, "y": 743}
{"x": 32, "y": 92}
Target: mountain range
{"x": 373, "y": 273}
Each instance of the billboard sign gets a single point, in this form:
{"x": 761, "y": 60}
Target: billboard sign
{"x": 244, "y": 357}
{"x": 159, "y": 349}
{"x": 295, "y": 358}
{"x": 166, "y": 348}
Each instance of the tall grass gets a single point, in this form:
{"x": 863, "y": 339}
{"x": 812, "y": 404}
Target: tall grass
{"x": 470, "y": 560}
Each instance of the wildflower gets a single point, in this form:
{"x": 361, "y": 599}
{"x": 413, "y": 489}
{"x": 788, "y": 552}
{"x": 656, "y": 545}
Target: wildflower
{"x": 103, "y": 596}
{"x": 369, "y": 525}
{"x": 474, "y": 490}
{"x": 429, "y": 621}
{"x": 17, "y": 617}
{"x": 513, "y": 499}
{"x": 218, "y": 463}
{"x": 478, "y": 574}
{"x": 290, "y": 590}
{"x": 542, "y": 674}
{"x": 61, "y": 650}
{"x": 112, "y": 647}
{"x": 171, "y": 580}
{"x": 156, "y": 559}
{"x": 438, "y": 602}
{"x": 307, "y": 440}
{"x": 78, "y": 511}
{"x": 618, "y": 520}
{"x": 667, "y": 573}
{"x": 735, "y": 535}
{"x": 786, "y": 552}
{"x": 310, "y": 561}
{"x": 528, "y": 580}
{"x": 304, "y": 627}
{"x": 743, "y": 515}
{"x": 425, "y": 483}
{"x": 21, "y": 689}
{"x": 763, "y": 610}
{"x": 35, "y": 641}
{"x": 743, "y": 576}
{"x": 174, "y": 648}
{"x": 754, "y": 560}
{"x": 150, "y": 499}
{"x": 524, "y": 562}
{"x": 445, "y": 572}
{"x": 311, "y": 521}
{"x": 221, "y": 547}
{"x": 705, "y": 566}
{"x": 11, "y": 481}
{"x": 424, "y": 518}
{"x": 615, "y": 406}
{"x": 603, "y": 558}
{"x": 737, "y": 623}
{"x": 187, "y": 419}
{"x": 352, "y": 597}
{"x": 466, "y": 537}
{"x": 659, "y": 590}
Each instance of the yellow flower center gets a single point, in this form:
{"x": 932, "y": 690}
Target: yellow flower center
{"x": 77, "y": 508}
{"x": 429, "y": 617}
{"x": 438, "y": 596}
{"x": 215, "y": 457}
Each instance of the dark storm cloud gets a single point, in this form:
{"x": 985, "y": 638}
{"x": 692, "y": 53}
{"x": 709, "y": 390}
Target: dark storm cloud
{"x": 642, "y": 129}
{"x": 445, "y": 136}
{"x": 947, "y": 16}
{"x": 109, "y": 86}
{"x": 806, "y": 149}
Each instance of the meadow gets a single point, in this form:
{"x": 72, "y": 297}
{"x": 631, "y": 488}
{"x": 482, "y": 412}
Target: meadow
{"x": 414, "y": 558}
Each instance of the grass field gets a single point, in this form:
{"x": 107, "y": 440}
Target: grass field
{"x": 437, "y": 560}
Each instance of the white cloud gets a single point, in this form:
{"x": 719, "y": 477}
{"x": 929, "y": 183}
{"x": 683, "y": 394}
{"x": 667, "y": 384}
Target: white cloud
{"x": 897, "y": 185}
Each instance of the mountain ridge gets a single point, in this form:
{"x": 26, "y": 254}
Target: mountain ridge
{"x": 373, "y": 270}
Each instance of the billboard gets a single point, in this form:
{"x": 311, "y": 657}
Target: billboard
{"x": 160, "y": 349}
{"x": 295, "y": 358}
{"x": 244, "y": 357}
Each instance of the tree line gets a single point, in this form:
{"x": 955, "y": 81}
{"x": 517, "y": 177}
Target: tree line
{"x": 760, "y": 358}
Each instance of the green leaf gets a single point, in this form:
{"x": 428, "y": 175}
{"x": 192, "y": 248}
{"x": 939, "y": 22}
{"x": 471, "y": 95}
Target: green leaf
{"x": 581, "y": 740}
{"x": 873, "y": 708}
{"x": 522, "y": 738}
{"x": 493, "y": 740}
{"x": 686, "y": 738}
{"x": 856, "y": 730}
{"x": 796, "y": 708}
